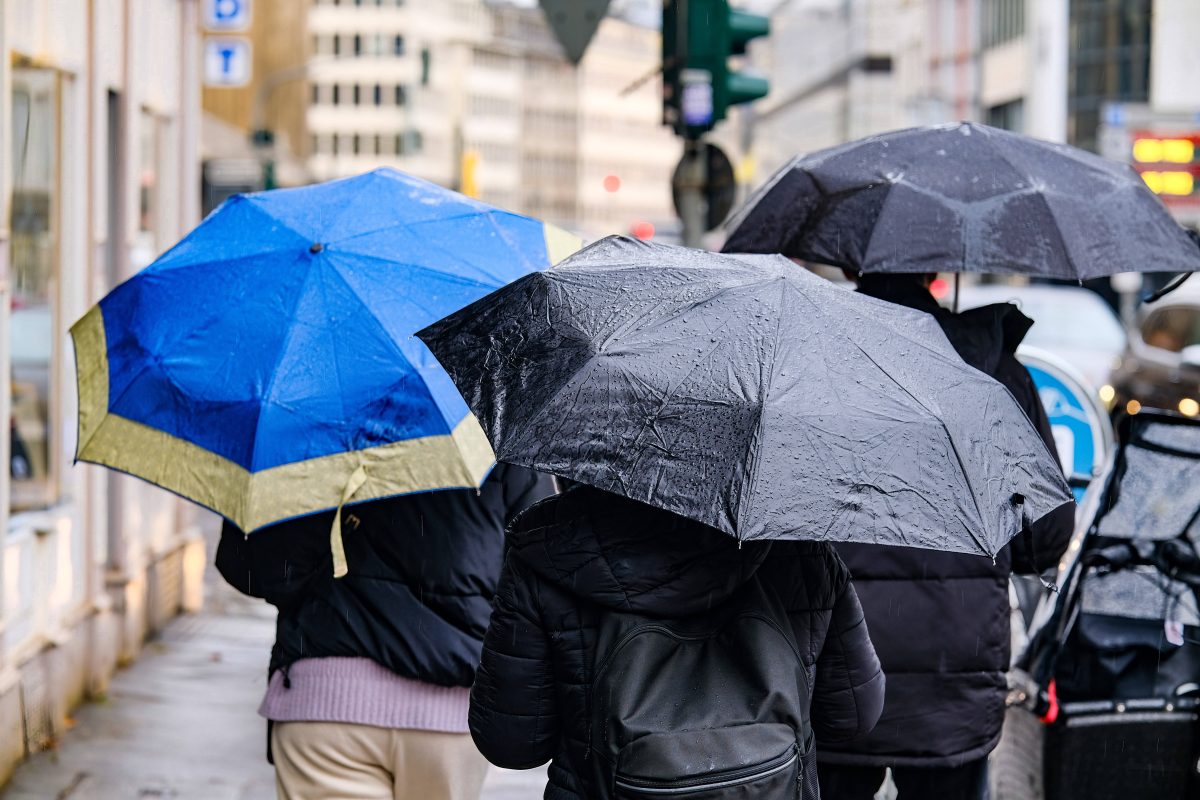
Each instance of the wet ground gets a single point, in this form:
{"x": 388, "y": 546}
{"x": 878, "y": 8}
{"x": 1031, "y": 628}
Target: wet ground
{"x": 180, "y": 722}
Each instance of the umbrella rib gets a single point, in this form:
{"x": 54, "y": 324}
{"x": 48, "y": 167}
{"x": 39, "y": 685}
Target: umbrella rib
{"x": 254, "y": 201}
{"x": 274, "y": 374}
{"x": 503, "y": 234}
{"x": 395, "y": 347}
{"x": 1062, "y": 239}
{"x": 1041, "y": 194}
{"x": 942, "y": 423}
{"x": 448, "y": 277}
{"x": 764, "y": 393}
{"x": 113, "y": 401}
{"x": 405, "y": 223}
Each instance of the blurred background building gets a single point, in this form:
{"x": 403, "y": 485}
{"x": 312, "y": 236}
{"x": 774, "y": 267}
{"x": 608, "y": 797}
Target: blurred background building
{"x": 843, "y": 69}
{"x": 469, "y": 94}
{"x": 124, "y": 120}
{"x": 99, "y": 116}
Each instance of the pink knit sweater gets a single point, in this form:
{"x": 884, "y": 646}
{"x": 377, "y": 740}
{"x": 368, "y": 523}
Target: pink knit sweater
{"x": 359, "y": 691}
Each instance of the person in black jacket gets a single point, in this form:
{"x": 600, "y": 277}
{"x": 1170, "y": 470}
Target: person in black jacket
{"x": 370, "y": 672}
{"x": 574, "y": 557}
{"x": 941, "y": 621}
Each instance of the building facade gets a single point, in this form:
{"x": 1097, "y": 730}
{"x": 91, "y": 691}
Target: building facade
{"x": 99, "y": 105}
{"x": 477, "y": 96}
{"x": 843, "y": 70}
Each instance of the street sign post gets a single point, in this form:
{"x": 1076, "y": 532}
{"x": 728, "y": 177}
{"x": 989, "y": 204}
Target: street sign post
{"x": 716, "y": 186}
{"x": 1083, "y": 434}
{"x": 574, "y": 23}
{"x": 227, "y": 61}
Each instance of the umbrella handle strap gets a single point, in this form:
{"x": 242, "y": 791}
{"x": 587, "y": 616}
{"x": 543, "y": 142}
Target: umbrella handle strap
{"x": 356, "y": 481}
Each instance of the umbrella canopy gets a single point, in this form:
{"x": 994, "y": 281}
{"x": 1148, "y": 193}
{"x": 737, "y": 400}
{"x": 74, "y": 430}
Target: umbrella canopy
{"x": 265, "y": 366}
{"x": 751, "y": 396}
{"x": 964, "y": 198}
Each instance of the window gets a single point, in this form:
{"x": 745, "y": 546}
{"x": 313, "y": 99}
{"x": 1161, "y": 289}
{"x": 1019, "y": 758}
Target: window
{"x": 356, "y": 144}
{"x": 1172, "y": 328}
{"x": 33, "y": 224}
{"x": 337, "y": 45}
{"x": 146, "y": 244}
{"x": 397, "y": 45}
{"x": 337, "y": 94}
{"x": 333, "y": 144}
{"x": 358, "y": 45}
{"x": 1003, "y": 21}
{"x": 399, "y": 95}
{"x": 357, "y": 94}
{"x": 1009, "y": 116}
{"x": 1109, "y": 61}
{"x": 378, "y": 144}
{"x": 315, "y": 91}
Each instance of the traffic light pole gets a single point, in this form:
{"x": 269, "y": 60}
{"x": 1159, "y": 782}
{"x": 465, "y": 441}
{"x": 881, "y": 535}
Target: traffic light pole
{"x": 693, "y": 209}
{"x": 699, "y": 86}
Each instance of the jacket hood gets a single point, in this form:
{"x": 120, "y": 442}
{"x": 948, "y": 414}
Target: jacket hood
{"x": 629, "y": 556}
{"x": 979, "y": 335}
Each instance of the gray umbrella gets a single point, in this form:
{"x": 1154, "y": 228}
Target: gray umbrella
{"x": 964, "y": 198}
{"x": 749, "y": 395}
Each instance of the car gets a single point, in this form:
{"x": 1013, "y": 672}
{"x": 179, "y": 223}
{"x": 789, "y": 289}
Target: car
{"x": 1070, "y": 322}
{"x": 1161, "y": 365}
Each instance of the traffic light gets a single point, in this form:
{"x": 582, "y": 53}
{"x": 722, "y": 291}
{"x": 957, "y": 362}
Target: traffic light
{"x": 698, "y": 38}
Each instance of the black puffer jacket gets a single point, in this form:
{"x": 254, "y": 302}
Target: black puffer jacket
{"x": 422, "y": 574}
{"x": 573, "y": 557}
{"x": 941, "y": 621}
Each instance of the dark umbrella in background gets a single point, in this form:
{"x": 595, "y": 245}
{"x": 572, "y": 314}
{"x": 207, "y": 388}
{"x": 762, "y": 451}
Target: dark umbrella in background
{"x": 750, "y": 396}
{"x": 964, "y": 198}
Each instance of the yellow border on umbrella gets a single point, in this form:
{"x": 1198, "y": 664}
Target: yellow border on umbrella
{"x": 460, "y": 459}
{"x": 559, "y": 243}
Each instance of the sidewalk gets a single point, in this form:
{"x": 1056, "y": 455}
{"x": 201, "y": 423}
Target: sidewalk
{"x": 180, "y": 723}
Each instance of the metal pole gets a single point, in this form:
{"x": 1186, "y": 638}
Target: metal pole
{"x": 692, "y": 206}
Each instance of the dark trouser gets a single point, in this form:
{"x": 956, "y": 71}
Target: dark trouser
{"x": 965, "y": 782}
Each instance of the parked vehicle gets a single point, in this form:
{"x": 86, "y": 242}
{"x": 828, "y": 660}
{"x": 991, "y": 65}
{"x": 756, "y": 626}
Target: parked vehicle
{"x": 1072, "y": 323}
{"x": 1161, "y": 365}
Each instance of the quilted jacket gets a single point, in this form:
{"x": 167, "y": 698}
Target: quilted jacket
{"x": 577, "y": 556}
{"x": 941, "y": 621}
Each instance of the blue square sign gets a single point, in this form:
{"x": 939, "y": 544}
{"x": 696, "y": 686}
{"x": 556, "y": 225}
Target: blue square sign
{"x": 227, "y": 61}
{"x": 226, "y": 15}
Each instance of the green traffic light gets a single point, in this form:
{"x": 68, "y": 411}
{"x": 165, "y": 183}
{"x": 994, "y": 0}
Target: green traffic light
{"x": 741, "y": 88}
{"x": 699, "y": 37}
{"x": 744, "y": 27}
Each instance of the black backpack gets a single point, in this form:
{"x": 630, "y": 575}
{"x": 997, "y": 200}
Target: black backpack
{"x": 710, "y": 707}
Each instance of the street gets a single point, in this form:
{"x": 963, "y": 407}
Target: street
{"x": 180, "y": 722}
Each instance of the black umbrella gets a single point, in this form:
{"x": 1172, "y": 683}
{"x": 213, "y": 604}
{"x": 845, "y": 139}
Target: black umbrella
{"x": 964, "y": 198}
{"x": 749, "y": 395}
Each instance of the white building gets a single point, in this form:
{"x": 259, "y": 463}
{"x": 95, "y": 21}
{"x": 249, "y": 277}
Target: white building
{"x": 844, "y": 69}
{"x": 99, "y": 114}
{"x": 476, "y": 95}
{"x": 387, "y": 84}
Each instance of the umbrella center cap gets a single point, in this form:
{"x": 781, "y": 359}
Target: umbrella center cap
{"x": 316, "y": 247}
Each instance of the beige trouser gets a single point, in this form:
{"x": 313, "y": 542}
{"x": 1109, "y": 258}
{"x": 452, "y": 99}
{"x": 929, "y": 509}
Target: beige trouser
{"x": 339, "y": 761}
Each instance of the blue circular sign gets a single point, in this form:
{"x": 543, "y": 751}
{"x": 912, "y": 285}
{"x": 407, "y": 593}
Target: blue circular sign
{"x": 1082, "y": 431}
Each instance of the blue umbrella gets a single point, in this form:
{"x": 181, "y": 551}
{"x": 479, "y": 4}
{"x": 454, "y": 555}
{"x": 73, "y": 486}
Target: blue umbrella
{"x": 265, "y": 366}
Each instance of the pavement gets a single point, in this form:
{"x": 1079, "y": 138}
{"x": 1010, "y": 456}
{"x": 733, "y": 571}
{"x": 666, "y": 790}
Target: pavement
{"x": 180, "y": 722}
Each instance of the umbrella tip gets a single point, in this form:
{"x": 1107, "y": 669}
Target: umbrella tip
{"x": 315, "y": 248}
